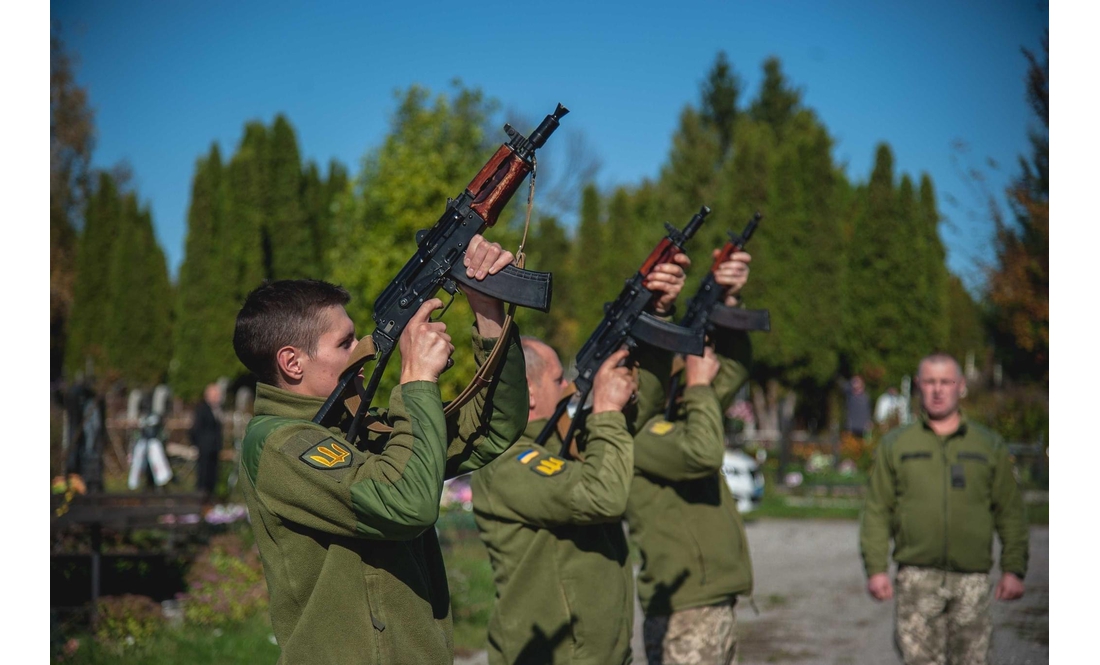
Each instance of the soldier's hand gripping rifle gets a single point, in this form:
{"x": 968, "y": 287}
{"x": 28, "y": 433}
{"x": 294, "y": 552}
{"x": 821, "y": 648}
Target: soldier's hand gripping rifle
{"x": 707, "y": 310}
{"x": 627, "y": 321}
{"x": 438, "y": 264}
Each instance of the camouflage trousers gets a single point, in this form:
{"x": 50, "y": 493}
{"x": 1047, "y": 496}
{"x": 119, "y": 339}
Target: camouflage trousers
{"x": 695, "y": 636}
{"x": 943, "y": 618}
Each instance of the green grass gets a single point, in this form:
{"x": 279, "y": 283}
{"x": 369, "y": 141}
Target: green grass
{"x": 805, "y": 508}
{"x": 248, "y": 642}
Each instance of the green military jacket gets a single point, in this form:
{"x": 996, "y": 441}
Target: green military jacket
{"x": 565, "y": 589}
{"x": 940, "y": 499}
{"x": 681, "y": 514}
{"x": 353, "y": 566}
{"x": 553, "y": 529}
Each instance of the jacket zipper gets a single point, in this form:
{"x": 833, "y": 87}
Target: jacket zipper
{"x": 946, "y": 512}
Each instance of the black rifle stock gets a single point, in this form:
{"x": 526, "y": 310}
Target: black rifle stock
{"x": 438, "y": 261}
{"x": 626, "y": 321}
{"x": 706, "y": 310}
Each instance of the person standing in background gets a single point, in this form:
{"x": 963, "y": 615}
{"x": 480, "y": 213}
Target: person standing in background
{"x": 857, "y": 406}
{"x": 940, "y": 488}
{"x": 206, "y": 435}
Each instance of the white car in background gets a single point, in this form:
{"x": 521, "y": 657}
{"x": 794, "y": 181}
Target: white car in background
{"x": 744, "y": 479}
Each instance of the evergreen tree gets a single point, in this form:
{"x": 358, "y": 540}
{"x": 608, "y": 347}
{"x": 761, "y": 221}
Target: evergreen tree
{"x": 933, "y": 268}
{"x": 720, "y": 93}
{"x": 588, "y": 255}
{"x": 622, "y": 256}
{"x": 138, "y": 331}
{"x": 88, "y": 332}
{"x": 778, "y": 102}
{"x": 797, "y": 258}
{"x": 314, "y": 199}
{"x": 689, "y": 179}
{"x": 321, "y": 198}
{"x": 245, "y": 241}
{"x": 288, "y": 236}
{"x": 876, "y": 283}
{"x": 206, "y": 302}
{"x": 550, "y": 251}
{"x": 913, "y": 338}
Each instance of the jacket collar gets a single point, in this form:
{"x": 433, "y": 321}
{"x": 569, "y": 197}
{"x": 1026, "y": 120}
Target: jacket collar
{"x": 285, "y": 404}
{"x": 961, "y": 431}
{"x": 534, "y": 428}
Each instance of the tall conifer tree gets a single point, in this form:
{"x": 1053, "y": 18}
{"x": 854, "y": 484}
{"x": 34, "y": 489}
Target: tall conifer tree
{"x": 138, "y": 311}
{"x": 291, "y": 241}
{"x": 550, "y": 251}
{"x": 88, "y": 332}
{"x": 877, "y": 273}
{"x": 588, "y": 255}
{"x": 206, "y": 301}
{"x": 934, "y": 266}
{"x": 245, "y": 241}
{"x": 720, "y": 94}
{"x": 777, "y": 102}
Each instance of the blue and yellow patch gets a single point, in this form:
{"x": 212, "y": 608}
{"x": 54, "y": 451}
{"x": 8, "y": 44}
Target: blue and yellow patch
{"x": 549, "y": 466}
{"x": 527, "y": 456}
{"x": 327, "y": 455}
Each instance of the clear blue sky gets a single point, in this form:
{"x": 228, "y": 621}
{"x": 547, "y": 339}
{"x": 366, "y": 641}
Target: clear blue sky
{"x": 166, "y": 79}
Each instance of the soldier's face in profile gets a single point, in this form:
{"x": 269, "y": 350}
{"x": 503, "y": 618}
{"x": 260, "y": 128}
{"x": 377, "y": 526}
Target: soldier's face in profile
{"x": 322, "y": 369}
{"x": 941, "y": 386}
{"x": 546, "y": 390}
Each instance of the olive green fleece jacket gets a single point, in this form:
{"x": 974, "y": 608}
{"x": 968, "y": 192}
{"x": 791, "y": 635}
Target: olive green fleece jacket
{"x": 565, "y": 589}
{"x": 940, "y": 498}
{"x": 681, "y": 514}
{"x": 353, "y": 566}
{"x": 553, "y": 530}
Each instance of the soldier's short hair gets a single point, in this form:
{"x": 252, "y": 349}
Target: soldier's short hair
{"x": 534, "y": 361}
{"x": 939, "y": 357}
{"x": 282, "y": 313}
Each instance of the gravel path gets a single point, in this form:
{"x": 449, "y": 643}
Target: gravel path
{"x": 814, "y": 608}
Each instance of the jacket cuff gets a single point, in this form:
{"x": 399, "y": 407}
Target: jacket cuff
{"x": 606, "y": 419}
{"x": 696, "y": 393}
{"x": 420, "y": 388}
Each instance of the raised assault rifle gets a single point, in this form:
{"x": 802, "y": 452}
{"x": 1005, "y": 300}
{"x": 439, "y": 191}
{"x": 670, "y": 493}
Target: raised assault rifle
{"x": 706, "y": 311}
{"x": 626, "y": 321}
{"x": 438, "y": 262}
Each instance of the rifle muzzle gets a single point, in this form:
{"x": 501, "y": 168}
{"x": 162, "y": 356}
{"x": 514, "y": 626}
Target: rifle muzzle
{"x": 549, "y": 124}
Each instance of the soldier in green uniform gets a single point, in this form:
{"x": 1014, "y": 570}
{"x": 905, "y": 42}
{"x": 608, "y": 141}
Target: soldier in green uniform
{"x": 940, "y": 487}
{"x": 553, "y": 526}
{"x": 682, "y": 516}
{"x": 345, "y": 532}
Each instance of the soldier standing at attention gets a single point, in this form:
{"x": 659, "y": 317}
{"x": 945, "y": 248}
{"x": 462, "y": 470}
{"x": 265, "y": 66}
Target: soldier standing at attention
{"x": 345, "y": 529}
{"x": 940, "y": 487}
{"x": 553, "y": 526}
{"x": 682, "y": 516}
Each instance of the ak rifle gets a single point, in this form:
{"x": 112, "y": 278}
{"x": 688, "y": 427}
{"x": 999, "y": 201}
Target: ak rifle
{"x": 627, "y": 321}
{"x": 706, "y": 310}
{"x": 438, "y": 264}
